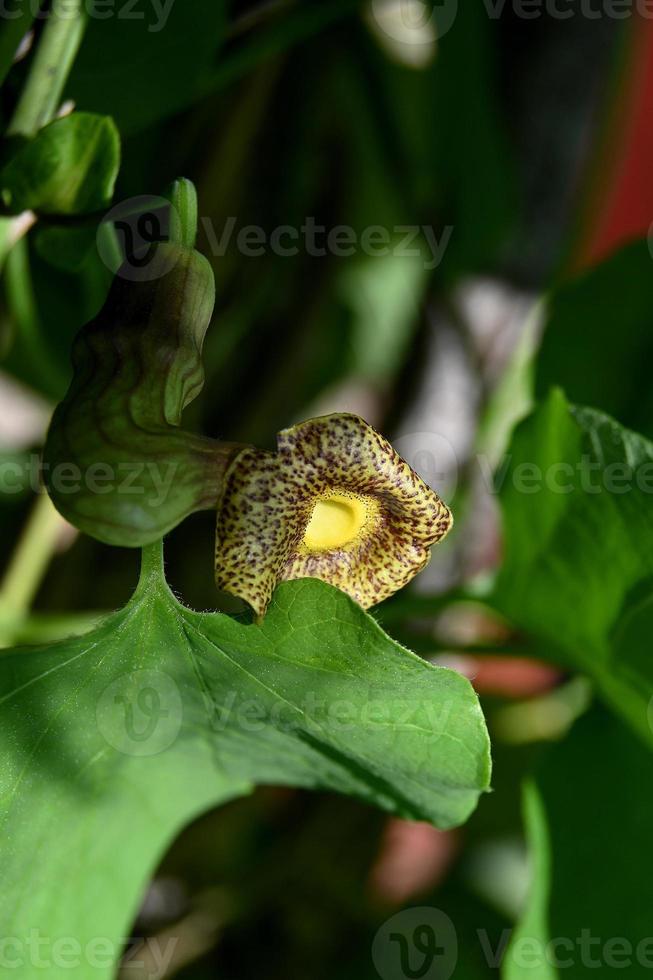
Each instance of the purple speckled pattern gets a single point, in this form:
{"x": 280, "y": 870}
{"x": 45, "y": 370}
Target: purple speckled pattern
{"x": 269, "y": 499}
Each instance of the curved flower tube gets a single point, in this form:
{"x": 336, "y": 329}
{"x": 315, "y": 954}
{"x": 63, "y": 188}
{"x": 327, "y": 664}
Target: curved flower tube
{"x": 117, "y": 463}
{"x": 335, "y": 502}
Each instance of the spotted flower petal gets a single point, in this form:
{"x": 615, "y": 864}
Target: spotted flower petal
{"x": 335, "y": 502}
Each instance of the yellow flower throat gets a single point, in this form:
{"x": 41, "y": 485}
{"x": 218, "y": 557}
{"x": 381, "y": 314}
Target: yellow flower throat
{"x": 336, "y": 521}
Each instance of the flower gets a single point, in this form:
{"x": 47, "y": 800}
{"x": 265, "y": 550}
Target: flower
{"x": 335, "y": 502}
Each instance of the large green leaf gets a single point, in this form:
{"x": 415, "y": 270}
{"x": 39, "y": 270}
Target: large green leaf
{"x": 578, "y": 519}
{"x": 598, "y": 340}
{"x": 148, "y": 61}
{"x": 114, "y": 740}
{"x": 589, "y": 909}
{"x": 70, "y": 167}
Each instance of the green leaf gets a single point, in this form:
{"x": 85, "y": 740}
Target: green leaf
{"x": 70, "y": 167}
{"x": 149, "y": 63}
{"x": 46, "y": 308}
{"x": 115, "y": 740}
{"x": 615, "y": 301}
{"x": 268, "y": 33}
{"x": 67, "y": 249}
{"x": 578, "y": 521}
{"x": 589, "y": 908}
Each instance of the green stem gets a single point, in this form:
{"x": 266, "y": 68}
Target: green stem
{"x": 31, "y": 339}
{"x": 12, "y": 231}
{"x": 37, "y": 106}
{"x": 151, "y": 564}
{"x": 31, "y": 558}
{"x": 50, "y": 68}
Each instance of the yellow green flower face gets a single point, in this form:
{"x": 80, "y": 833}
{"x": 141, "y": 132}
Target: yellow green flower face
{"x": 335, "y": 502}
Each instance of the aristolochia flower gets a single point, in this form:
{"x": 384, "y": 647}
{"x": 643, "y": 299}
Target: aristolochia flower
{"x": 335, "y": 502}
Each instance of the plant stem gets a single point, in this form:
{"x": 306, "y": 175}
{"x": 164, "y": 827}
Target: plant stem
{"x": 31, "y": 339}
{"x": 151, "y": 564}
{"x": 31, "y": 558}
{"x": 36, "y": 107}
{"x": 12, "y": 230}
{"x": 50, "y": 68}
